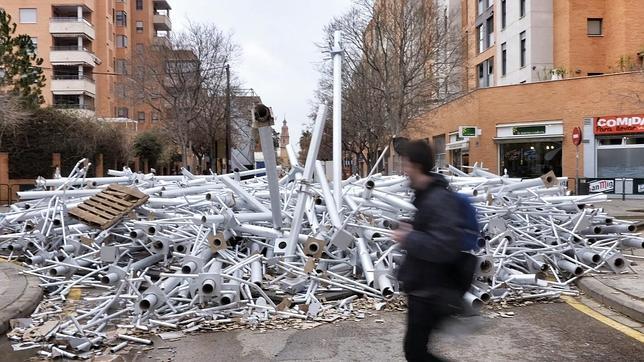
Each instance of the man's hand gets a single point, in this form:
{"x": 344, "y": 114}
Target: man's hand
{"x": 400, "y": 234}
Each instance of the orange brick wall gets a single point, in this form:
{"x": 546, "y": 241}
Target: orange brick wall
{"x": 569, "y": 100}
{"x": 580, "y": 53}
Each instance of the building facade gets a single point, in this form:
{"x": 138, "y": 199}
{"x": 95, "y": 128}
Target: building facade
{"x": 536, "y": 70}
{"x": 87, "y": 47}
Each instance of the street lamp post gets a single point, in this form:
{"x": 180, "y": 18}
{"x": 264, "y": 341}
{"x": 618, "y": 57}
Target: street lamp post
{"x": 228, "y": 112}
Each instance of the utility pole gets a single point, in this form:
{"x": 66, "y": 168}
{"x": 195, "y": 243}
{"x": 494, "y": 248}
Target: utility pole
{"x": 228, "y": 112}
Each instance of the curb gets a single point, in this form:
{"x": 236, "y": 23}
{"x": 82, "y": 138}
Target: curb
{"x": 619, "y": 301}
{"x": 27, "y": 299}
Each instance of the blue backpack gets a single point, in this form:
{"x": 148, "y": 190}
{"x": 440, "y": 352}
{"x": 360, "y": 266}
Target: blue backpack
{"x": 469, "y": 223}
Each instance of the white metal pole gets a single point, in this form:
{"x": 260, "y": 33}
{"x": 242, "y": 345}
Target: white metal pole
{"x": 337, "y": 119}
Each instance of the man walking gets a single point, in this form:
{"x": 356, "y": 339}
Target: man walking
{"x": 436, "y": 272}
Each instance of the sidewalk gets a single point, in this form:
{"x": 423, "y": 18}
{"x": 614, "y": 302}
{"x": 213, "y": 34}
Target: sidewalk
{"x": 19, "y": 294}
{"x": 624, "y": 209}
{"x": 624, "y": 292}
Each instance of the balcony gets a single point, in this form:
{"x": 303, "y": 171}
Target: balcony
{"x": 162, "y": 22}
{"x": 73, "y": 84}
{"x": 89, "y": 4}
{"x": 161, "y": 4}
{"x": 71, "y": 27}
{"x": 72, "y": 55}
{"x": 162, "y": 41}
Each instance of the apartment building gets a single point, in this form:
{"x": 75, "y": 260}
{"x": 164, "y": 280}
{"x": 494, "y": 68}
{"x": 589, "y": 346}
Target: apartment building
{"x": 523, "y": 41}
{"x": 87, "y": 47}
{"x": 536, "y": 71}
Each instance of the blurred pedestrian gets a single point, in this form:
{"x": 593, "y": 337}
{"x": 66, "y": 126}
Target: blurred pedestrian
{"x": 436, "y": 272}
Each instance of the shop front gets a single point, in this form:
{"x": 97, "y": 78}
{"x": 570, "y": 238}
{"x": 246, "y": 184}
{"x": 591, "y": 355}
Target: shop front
{"x": 458, "y": 148}
{"x": 529, "y": 150}
{"x": 616, "y": 150}
{"x": 619, "y": 145}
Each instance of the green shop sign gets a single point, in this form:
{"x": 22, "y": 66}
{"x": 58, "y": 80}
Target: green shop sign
{"x": 528, "y": 130}
{"x": 467, "y": 131}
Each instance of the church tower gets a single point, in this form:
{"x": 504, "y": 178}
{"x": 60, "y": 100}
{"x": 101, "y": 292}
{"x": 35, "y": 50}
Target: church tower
{"x": 284, "y": 140}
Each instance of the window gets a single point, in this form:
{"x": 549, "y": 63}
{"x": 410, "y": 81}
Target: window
{"x": 481, "y": 35}
{"x": 140, "y": 117}
{"x": 591, "y": 74}
{"x": 121, "y": 66}
{"x": 485, "y": 72}
{"x": 122, "y": 112}
{"x": 504, "y": 14}
{"x": 139, "y": 26}
{"x": 480, "y": 71}
{"x": 34, "y": 41}
{"x": 139, "y": 48}
{"x": 121, "y": 18}
{"x": 121, "y": 41}
{"x": 28, "y": 16}
{"x": 523, "y": 48}
{"x": 490, "y": 72}
{"x": 504, "y": 59}
{"x": 139, "y": 4}
{"x": 155, "y": 116}
{"x": 481, "y": 7}
{"x": 121, "y": 91}
{"x": 522, "y": 8}
{"x": 594, "y": 26}
{"x": 489, "y": 28}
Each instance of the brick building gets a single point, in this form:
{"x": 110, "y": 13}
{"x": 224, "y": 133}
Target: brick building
{"x": 87, "y": 45}
{"x": 537, "y": 69}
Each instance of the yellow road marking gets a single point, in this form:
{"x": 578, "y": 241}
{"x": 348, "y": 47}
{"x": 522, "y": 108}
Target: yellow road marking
{"x": 633, "y": 333}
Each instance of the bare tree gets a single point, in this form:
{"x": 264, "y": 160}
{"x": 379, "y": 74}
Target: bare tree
{"x": 401, "y": 59}
{"x": 186, "y": 84}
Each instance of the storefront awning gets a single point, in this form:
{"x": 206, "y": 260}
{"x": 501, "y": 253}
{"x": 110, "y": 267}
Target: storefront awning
{"x": 458, "y": 145}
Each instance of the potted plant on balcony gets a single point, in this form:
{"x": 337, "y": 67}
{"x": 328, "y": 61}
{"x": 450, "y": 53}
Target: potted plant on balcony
{"x": 557, "y": 73}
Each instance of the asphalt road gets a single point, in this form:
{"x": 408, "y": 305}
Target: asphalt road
{"x": 538, "y": 332}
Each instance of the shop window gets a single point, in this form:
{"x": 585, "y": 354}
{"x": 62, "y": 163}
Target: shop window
{"x": 594, "y": 26}
{"x": 531, "y": 159}
{"x": 620, "y": 161}
{"x": 439, "y": 148}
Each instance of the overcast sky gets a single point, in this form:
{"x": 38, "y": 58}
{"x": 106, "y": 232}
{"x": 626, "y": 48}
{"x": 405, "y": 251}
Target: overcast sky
{"x": 279, "y": 57}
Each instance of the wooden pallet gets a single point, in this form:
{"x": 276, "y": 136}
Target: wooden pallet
{"x": 107, "y": 207}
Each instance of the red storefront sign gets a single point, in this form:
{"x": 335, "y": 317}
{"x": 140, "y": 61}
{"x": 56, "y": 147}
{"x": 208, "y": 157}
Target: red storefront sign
{"x": 619, "y": 124}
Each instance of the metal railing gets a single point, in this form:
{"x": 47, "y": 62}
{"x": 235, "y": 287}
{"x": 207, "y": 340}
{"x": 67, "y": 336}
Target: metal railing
{"x": 63, "y": 19}
{"x": 72, "y": 77}
{"x": 88, "y": 107}
{"x": 72, "y": 48}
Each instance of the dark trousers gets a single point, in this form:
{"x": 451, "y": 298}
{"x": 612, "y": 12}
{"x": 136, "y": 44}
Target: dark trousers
{"x": 423, "y": 317}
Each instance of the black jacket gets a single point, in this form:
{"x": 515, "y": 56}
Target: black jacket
{"x": 435, "y": 267}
